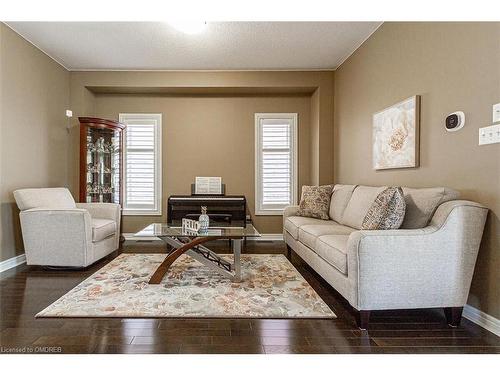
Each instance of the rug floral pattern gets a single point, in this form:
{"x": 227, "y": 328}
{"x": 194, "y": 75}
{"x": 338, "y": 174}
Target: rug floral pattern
{"x": 271, "y": 287}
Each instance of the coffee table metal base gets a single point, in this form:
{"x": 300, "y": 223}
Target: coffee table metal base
{"x": 194, "y": 248}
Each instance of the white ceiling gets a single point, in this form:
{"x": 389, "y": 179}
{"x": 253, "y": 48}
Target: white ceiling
{"x": 221, "y": 46}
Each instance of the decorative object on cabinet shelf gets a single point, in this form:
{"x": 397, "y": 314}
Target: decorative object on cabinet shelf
{"x": 92, "y": 189}
{"x": 96, "y": 189}
{"x": 101, "y": 160}
{"x": 92, "y": 168}
{"x": 99, "y": 145}
{"x": 107, "y": 190}
{"x": 109, "y": 147}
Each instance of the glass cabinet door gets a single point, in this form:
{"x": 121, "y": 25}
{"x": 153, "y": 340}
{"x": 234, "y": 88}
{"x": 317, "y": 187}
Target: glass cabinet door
{"x": 103, "y": 165}
{"x": 102, "y": 168}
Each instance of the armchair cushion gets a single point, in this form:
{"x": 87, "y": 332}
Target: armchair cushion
{"x": 102, "y": 228}
{"x": 48, "y": 198}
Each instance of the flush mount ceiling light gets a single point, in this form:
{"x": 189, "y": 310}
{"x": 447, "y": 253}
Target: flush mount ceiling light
{"x": 188, "y": 26}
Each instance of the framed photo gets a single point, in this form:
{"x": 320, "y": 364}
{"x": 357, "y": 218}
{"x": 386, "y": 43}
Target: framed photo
{"x": 396, "y": 135}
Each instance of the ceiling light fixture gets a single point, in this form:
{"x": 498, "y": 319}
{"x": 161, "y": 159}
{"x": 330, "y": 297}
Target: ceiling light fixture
{"x": 188, "y": 26}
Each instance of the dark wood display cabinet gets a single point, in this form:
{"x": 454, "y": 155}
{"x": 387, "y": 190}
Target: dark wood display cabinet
{"x": 101, "y": 160}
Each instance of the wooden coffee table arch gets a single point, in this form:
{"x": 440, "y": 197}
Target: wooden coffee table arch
{"x": 192, "y": 244}
{"x": 171, "y": 258}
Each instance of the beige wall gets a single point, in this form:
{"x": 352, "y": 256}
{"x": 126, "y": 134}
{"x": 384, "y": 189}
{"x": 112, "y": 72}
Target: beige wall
{"x": 85, "y": 84}
{"x": 211, "y": 136}
{"x": 33, "y": 136}
{"x": 221, "y": 105}
{"x": 453, "y": 67}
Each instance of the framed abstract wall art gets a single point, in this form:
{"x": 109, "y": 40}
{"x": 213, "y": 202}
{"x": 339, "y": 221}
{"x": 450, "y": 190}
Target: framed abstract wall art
{"x": 396, "y": 135}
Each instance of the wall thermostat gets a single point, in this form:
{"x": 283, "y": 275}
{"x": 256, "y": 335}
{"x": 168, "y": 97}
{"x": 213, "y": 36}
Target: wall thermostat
{"x": 455, "y": 121}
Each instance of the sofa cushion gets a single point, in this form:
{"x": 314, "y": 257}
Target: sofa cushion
{"x": 387, "y": 212}
{"x": 422, "y": 203}
{"x": 102, "y": 228}
{"x": 361, "y": 200}
{"x": 293, "y": 223}
{"x": 308, "y": 234}
{"x": 340, "y": 197}
{"x": 333, "y": 249}
{"x": 315, "y": 201}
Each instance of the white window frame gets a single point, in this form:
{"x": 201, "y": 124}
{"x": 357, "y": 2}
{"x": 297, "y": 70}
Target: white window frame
{"x": 293, "y": 117}
{"x": 157, "y": 118}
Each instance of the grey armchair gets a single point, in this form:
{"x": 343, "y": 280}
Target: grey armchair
{"x": 59, "y": 232}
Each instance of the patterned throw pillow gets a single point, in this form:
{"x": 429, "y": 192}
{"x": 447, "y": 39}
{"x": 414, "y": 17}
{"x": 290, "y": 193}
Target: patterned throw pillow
{"x": 387, "y": 211}
{"x": 315, "y": 201}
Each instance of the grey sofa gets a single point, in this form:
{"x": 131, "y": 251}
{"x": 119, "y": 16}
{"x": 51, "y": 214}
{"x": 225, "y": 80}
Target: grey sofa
{"x": 427, "y": 263}
{"x": 61, "y": 233}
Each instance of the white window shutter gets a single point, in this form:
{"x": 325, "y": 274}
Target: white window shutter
{"x": 142, "y": 164}
{"x": 276, "y": 164}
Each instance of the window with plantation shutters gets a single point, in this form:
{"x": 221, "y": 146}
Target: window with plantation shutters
{"x": 142, "y": 164}
{"x": 275, "y": 162}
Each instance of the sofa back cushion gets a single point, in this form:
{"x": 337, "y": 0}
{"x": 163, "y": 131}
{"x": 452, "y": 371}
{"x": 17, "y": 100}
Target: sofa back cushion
{"x": 340, "y": 197}
{"x": 46, "y": 197}
{"x": 361, "y": 200}
{"x": 422, "y": 203}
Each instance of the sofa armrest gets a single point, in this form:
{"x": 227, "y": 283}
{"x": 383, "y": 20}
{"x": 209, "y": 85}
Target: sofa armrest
{"x": 417, "y": 268}
{"x": 290, "y": 211}
{"x": 57, "y": 237}
{"x": 444, "y": 210}
{"x": 287, "y": 212}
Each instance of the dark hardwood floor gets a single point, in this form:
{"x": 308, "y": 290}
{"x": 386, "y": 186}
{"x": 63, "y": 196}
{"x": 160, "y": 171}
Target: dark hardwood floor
{"x": 25, "y": 290}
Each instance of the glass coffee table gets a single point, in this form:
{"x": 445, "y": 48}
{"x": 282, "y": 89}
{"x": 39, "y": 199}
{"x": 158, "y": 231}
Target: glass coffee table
{"x": 191, "y": 243}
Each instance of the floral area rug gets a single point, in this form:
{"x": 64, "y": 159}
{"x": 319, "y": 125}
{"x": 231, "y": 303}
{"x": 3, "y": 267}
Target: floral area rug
{"x": 271, "y": 288}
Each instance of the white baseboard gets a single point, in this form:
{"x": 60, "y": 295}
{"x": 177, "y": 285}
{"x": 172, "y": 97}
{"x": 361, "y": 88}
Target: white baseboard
{"x": 268, "y": 237}
{"x": 130, "y": 237}
{"x": 12, "y": 262}
{"x": 263, "y": 237}
{"x": 482, "y": 319}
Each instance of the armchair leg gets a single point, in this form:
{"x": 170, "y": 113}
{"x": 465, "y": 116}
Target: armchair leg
{"x": 288, "y": 252}
{"x": 363, "y": 319}
{"x": 453, "y": 315}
